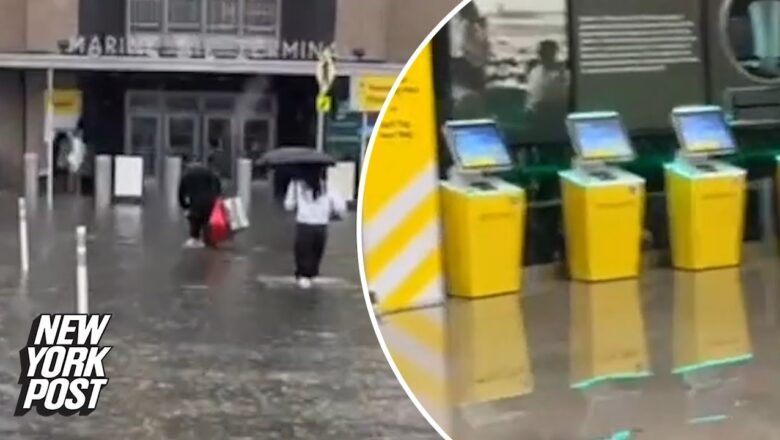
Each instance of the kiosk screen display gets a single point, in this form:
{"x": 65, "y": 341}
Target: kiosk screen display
{"x": 601, "y": 139}
{"x": 704, "y": 132}
{"x": 478, "y": 146}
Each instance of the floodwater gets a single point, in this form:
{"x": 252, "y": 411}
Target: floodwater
{"x": 674, "y": 355}
{"x": 206, "y": 344}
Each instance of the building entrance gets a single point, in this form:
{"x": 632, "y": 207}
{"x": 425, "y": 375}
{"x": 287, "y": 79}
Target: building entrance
{"x": 198, "y": 126}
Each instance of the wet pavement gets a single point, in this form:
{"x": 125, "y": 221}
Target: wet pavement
{"x": 207, "y": 344}
{"x": 675, "y": 355}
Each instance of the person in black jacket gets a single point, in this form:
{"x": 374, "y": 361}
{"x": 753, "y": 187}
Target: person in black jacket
{"x": 199, "y": 189}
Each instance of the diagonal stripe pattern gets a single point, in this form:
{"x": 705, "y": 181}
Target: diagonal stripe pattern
{"x": 401, "y": 230}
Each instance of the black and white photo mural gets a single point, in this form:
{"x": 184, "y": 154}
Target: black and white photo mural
{"x": 509, "y": 61}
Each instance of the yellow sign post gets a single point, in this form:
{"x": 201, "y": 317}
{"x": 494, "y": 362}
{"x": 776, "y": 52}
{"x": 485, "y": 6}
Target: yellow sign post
{"x": 326, "y": 75}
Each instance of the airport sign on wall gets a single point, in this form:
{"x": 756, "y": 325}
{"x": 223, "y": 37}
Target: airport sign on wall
{"x": 192, "y": 47}
{"x": 66, "y": 108}
{"x": 368, "y": 93}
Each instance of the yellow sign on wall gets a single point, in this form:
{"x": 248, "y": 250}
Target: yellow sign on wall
{"x": 67, "y": 102}
{"x": 401, "y": 218}
{"x": 369, "y": 93}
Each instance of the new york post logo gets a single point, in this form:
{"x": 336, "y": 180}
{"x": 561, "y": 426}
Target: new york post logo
{"x": 62, "y": 365}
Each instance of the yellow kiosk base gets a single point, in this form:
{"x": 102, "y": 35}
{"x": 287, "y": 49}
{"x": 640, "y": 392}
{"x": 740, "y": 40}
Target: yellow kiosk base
{"x": 603, "y": 219}
{"x": 706, "y": 207}
{"x": 483, "y": 238}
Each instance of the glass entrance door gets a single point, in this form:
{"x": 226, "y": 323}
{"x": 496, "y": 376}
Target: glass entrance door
{"x": 182, "y": 137}
{"x": 257, "y": 138}
{"x": 145, "y": 140}
{"x": 219, "y": 143}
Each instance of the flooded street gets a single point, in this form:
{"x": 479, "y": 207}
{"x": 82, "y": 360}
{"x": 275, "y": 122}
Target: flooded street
{"x": 206, "y": 344}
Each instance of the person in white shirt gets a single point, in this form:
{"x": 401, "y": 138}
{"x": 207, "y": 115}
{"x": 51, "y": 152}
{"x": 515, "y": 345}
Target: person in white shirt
{"x": 315, "y": 205}
{"x": 75, "y": 159}
{"x": 548, "y": 80}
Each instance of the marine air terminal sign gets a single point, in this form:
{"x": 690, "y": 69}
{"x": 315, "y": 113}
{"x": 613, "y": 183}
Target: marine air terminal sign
{"x": 193, "y": 47}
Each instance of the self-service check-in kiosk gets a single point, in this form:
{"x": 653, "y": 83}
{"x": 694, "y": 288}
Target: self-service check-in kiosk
{"x": 603, "y": 206}
{"x": 484, "y": 216}
{"x": 705, "y": 197}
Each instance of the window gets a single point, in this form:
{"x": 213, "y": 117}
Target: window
{"x": 249, "y": 17}
{"x": 222, "y": 16}
{"x": 260, "y": 16}
{"x": 181, "y": 136}
{"x": 145, "y": 15}
{"x": 143, "y": 140}
{"x": 182, "y": 103}
{"x": 184, "y": 15}
{"x": 257, "y": 137}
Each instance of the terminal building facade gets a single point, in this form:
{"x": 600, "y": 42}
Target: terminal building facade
{"x": 186, "y": 77}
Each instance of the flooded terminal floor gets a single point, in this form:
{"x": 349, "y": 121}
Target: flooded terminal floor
{"x": 673, "y": 355}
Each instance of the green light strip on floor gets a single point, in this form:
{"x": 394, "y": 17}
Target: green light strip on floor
{"x": 597, "y": 380}
{"x": 708, "y": 419}
{"x": 622, "y": 435}
{"x": 711, "y": 364}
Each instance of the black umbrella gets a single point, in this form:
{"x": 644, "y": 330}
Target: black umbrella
{"x": 286, "y": 156}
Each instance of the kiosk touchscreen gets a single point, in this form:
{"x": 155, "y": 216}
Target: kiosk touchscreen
{"x": 705, "y": 196}
{"x": 483, "y": 214}
{"x": 603, "y": 205}
{"x": 478, "y": 149}
{"x": 702, "y": 133}
{"x": 599, "y": 138}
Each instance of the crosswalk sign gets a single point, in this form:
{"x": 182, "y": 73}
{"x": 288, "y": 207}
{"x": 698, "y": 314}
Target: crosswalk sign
{"x": 326, "y": 70}
{"x": 324, "y": 103}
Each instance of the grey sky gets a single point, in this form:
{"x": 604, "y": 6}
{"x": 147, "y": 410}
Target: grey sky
{"x": 522, "y": 5}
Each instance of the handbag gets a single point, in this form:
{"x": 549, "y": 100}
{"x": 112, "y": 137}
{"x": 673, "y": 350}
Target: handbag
{"x": 218, "y": 228}
{"x": 334, "y": 216}
{"x": 237, "y": 215}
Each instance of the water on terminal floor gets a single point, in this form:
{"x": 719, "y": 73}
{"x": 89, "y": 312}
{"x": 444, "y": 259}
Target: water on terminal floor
{"x": 675, "y": 355}
{"x": 206, "y": 344}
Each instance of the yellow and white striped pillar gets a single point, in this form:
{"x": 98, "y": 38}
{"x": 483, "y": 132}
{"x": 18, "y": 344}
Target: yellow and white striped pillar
{"x": 401, "y": 213}
{"x": 417, "y": 343}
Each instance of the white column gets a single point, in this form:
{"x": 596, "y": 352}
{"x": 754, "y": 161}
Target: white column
{"x": 103, "y": 170}
{"x": 82, "y": 284}
{"x": 244, "y": 184}
{"x": 31, "y": 179}
{"x": 49, "y": 137}
{"x": 172, "y": 177}
{"x": 24, "y": 245}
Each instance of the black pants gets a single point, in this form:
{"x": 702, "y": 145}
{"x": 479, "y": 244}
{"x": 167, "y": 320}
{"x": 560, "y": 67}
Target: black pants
{"x": 198, "y": 218}
{"x": 309, "y": 247}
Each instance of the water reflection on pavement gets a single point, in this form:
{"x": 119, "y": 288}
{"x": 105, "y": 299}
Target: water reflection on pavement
{"x": 202, "y": 348}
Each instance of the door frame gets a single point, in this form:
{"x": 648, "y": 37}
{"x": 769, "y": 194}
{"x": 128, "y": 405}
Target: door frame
{"x": 128, "y": 148}
{"x": 270, "y": 119}
{"x": 166, "y": 144}
{"x": 207, "y": 116}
